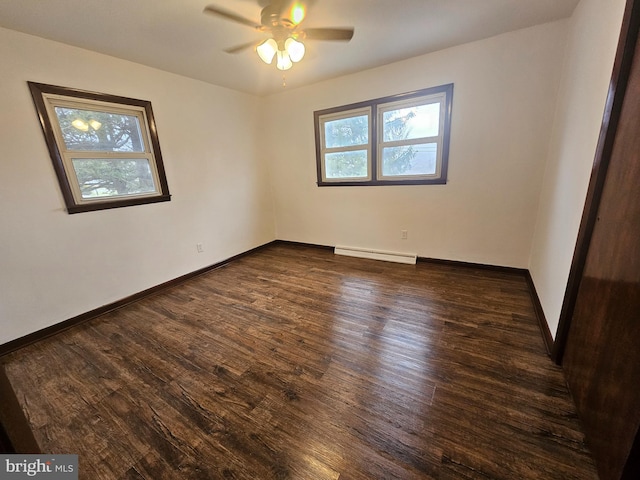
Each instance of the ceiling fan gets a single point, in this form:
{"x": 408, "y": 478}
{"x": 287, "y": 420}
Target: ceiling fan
{"x": 281, "y": 19}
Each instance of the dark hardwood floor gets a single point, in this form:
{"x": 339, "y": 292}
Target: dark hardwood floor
{"x": 293, "y": 363}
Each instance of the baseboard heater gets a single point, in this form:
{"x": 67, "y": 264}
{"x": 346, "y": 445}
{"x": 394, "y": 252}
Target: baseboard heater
{"x": 398, "y": 257}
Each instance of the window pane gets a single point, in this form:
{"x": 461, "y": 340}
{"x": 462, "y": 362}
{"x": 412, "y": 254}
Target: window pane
{"x": 347, "y": 132}
{"x": 89, "y": 130}
{"x": 346, "y": 164}
{"x": 99, "y": 177}
{"x": 413, "y": 122}
{"x": 410, "y": 159}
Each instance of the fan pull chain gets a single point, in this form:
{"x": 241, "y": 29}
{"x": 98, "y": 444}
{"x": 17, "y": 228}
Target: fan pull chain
{"x": 284, "y": 81}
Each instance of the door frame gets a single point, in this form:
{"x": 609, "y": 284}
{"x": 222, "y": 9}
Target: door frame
{"x": 617, "y": 88}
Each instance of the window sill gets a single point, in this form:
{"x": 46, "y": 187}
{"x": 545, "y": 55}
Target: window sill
{"x": 435, "y": 181}
{"x": 89, "y": 207}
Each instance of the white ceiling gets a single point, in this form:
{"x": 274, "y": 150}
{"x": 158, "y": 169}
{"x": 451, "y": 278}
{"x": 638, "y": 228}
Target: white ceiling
{"x": 174, "y": 35}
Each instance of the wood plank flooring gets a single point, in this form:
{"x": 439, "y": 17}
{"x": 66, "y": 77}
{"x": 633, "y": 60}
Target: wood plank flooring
{"x": 293, "y": 363}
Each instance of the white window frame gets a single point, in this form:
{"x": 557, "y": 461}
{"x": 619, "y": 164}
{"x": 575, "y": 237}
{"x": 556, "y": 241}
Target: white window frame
{"x": 48, "y": 97}
{"x": 439, "y": 98}
{"x": 324, "y": 150}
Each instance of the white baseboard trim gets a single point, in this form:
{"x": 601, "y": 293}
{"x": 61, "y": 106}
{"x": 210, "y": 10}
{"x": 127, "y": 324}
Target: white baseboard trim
{"x": 398, "y": 257}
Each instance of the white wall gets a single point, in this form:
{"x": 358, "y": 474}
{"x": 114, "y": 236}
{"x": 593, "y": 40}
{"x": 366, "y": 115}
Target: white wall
{"x": 503, "y": 104}
{"x": 593, "y": 34}
{"x": 54, "y": 266}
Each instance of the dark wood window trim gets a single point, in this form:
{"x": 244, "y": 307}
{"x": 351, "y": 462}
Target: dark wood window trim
{"x": 373, "y": 141}
{"x": 38, "y": 90}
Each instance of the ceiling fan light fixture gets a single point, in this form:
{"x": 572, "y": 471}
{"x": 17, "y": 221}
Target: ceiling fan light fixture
{"x": 283, "y": 62}
{"x": 294, "y": 49}
{"x": 80, "y": 125}
{"x": 267, "y": 50}
{"x": 95, "y": 124}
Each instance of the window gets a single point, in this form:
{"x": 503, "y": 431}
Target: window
{"x": 397, "y": 140}
{"x": 104, "y": 148}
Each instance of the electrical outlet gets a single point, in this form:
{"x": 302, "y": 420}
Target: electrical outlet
{"x": 199, "y": 247}
{"x": 404, "y": 234}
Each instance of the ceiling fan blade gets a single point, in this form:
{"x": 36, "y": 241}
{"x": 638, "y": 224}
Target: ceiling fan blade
{"x": 234, "y": 17}
{"x": 240, "y": 48}
{"x": 339, "y": 34}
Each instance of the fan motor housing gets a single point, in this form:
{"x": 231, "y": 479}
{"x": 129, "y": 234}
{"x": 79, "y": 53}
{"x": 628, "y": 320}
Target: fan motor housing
{"x": 270, "y": 17}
